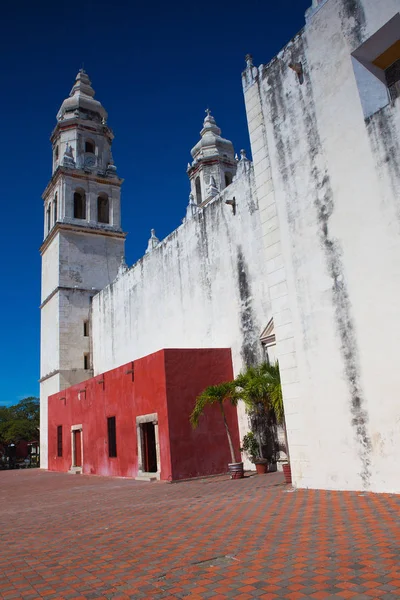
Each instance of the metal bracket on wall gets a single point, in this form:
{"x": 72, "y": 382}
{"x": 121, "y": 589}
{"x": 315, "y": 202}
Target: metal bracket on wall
{"x": 297, "y": 67}
{"x": 131, "y": 371}
{"x": 232, "y": 203}
{"x": 101, "y": 382}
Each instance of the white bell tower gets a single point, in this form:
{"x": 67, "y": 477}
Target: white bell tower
{"x": 214, "y": 164}
{"x": 83, "y": 241}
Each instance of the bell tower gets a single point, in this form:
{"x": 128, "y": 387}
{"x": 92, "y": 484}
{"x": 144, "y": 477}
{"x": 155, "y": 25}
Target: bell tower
{"x": 214, "y": 164}
{"x": 83, "y": 241}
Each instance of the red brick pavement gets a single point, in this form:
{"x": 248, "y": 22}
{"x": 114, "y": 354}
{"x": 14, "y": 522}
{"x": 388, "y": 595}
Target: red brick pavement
{"x": 80, "y": 537}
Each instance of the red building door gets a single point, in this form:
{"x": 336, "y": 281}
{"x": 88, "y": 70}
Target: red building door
{"x": 77, "y": 448}
{"x": 149, "y": 448}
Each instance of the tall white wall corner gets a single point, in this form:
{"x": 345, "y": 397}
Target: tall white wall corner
{"x": 273, "y": 256}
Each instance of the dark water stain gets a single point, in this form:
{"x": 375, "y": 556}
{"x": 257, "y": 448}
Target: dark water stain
{"x": 353, "y": 21}
{"x": 250, "y": 346}
{"x": 386, "y": 147}
{"x": 203, "y": 250}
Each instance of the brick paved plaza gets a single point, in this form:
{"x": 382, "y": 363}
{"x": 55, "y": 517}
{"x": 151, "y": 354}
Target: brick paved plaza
{"x": 82, "y": 537}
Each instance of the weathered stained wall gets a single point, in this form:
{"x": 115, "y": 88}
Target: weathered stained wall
{"x": 166, "y": 383}
{"x": 328, "y": 177}
{"x": 203, "y": 286}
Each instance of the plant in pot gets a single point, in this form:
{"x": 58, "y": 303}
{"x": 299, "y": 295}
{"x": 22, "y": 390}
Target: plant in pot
{"x": 252, "y": 388}
{"x": 219, "y": 394}
{"x": 273, "y": 379}
{"x": 261, "y": 386}
{"x": 251, "y": 446}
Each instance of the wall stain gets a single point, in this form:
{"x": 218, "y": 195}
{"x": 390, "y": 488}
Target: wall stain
{"x": 386, "y": 147}
{"x": 324, "y": 206}
{"x": 250, "y": 351}
{"x": 353, "y": 11}
{"x": 204, "y": 251}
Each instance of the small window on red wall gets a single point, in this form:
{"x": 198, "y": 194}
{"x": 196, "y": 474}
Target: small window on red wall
{"x": 112, "y": 437}
{"x": 59, "y": 441}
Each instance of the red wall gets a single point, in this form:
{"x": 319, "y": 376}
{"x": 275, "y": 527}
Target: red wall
{"x": 168, "y": 378}
{"x": 205, "y": 450}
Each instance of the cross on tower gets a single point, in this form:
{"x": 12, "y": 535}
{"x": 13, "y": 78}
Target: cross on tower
{"x": 208, "y": 111}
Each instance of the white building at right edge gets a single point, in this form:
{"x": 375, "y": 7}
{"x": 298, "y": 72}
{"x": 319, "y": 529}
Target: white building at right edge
{"x": 324, "y": 122}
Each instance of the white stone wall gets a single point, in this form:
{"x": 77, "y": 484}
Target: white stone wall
{"x": 328, "y": 180}
{"x": 75, "y": 265}
{"x": 47, "y": 388}
{"x": 203, "y": 286}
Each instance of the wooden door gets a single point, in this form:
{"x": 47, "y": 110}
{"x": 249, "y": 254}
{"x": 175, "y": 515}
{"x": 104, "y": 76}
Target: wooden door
{"x": 78, "y": 448}
{"x": 149, "y": 448}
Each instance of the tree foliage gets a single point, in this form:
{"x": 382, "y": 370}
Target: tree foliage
{"x": 20, "y": 422}
{"x": 260, "y": 387}
{"x": 216, "y": 394}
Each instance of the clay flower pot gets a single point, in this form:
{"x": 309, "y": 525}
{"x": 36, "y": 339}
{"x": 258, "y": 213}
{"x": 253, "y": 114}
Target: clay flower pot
{"x": 287, "y": 472}
{"x": 261, "y": 466}
{"x": 236, "y": 470}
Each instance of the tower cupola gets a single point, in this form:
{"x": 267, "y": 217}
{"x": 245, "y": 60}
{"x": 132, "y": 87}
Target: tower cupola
{"x": 214, "y": 165}
{"x": 81, "y": 101}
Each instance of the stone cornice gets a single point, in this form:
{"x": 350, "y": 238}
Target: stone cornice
{"x": 77, "y": 124}
{"x": 79, "y": 174}
{"x": 63, "y": 288}
{"x": 211, "y": 161}
{"x": 79, "y": 229}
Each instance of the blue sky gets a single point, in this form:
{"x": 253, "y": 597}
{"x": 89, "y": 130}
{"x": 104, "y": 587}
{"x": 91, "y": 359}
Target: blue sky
{"x": 155, "y": 67}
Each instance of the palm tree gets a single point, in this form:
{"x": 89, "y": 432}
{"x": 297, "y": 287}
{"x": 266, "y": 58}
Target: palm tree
{"x": 216, "y": 394}
{"x": 262, "y": 385}
{"x": 273, "y": 378}
{"x": 252, "y": 387}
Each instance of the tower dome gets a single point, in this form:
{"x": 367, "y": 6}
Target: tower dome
{"x": 81, "y": 101}
{"x": 211, "y": 142}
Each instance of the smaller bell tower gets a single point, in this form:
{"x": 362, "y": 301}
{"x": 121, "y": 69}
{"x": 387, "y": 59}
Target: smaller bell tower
{"x": 214, "y": 164}
{"x": 83, "y": 241}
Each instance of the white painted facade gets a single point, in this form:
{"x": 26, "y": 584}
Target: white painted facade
{"x": 204, "y": 286}
{"x": 326, "y": 151}
{"x": 303, "y": 245}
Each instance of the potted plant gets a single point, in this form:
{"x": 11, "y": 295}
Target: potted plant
{"x": 273, "y": 378}
{"x": 252, "y": 449}
{"x": 219, "y": 394}
{"x": 252, "y": 388}
{"x": 261, "y": 385}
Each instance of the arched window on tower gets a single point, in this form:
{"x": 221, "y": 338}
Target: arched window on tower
{"x": 103, "y": 208}
{"x": 228, "y": 178}
{"x": 55, "y": 208}
{"x": 198, "y": 190}
{"x": 79, "y": 205}
{"x": 48, "y": 213}
{"x": 56, "y": 153}
{"x": 89, "y": 146}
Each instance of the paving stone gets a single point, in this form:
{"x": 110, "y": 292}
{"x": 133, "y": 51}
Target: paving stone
{"x": 98, "y": 538}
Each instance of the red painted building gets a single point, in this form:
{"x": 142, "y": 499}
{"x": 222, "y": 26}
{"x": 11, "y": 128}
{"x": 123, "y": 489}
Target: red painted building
{"x": 134, "y": 420}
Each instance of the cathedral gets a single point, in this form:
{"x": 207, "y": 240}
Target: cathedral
{"x": 293, "y": 255}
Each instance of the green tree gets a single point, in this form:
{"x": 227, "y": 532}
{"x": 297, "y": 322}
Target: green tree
{"x": 261, "y": 386}
{"x": 20, "y": 422}
{"x": 216, "y": 394}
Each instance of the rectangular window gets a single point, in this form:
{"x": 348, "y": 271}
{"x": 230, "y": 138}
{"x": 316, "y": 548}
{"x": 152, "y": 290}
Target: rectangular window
{"x": 59, "y": 440}
{"x": 86, "y": 328}
{"x": 112, "y": 437}
{"x": 86, "y": 361}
